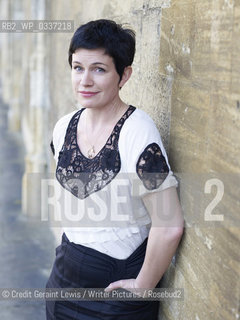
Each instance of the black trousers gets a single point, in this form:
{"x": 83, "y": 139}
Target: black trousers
{"x": 77, "y": 266}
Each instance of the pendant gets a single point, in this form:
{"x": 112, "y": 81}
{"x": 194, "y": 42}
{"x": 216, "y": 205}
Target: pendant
{"x": 91, "y": 153}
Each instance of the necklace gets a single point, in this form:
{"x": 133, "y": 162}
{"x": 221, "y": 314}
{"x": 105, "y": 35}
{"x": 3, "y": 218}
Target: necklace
{"x": 91, "y": 151}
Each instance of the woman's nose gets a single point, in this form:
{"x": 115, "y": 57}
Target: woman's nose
{"x": 86, "y": 79}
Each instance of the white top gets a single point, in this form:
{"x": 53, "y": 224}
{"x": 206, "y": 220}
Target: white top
{"x": 110, "y": 216}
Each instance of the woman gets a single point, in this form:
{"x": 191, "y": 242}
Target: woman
{"x": 105, "y": 149}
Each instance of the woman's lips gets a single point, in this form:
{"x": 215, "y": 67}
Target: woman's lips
{"x": 88, "y": 94}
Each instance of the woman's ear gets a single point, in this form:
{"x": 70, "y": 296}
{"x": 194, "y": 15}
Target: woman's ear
{"x": 126, "y": 75}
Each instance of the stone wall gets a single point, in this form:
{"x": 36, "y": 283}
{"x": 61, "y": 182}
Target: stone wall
{"x": 186, "y": 76}
{"x": 200, "y": 46}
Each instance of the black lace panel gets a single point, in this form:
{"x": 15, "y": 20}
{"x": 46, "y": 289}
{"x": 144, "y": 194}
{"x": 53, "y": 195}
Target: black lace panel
{"x": 52, "y": 148}
{"x": 152, "y": 168}
{"x": 81, "y": 175}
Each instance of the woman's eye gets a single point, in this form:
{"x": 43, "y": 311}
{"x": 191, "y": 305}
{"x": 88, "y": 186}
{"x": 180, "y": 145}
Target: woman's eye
{"x": 98, "y": 69}
{"x": 77, "y": 68}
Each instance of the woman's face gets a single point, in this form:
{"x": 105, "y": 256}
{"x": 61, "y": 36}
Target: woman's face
{"x": 94, "y": 78}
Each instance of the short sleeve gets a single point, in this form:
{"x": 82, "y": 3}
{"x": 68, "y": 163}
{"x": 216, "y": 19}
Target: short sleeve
{"x": 59, "y": 133}
{"x": 152, "y": 167}
{"x": 144, "y": 156}
{"x": 153, "y": 170}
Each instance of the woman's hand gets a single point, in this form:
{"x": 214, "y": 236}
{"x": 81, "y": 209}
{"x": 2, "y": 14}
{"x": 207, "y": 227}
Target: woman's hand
{"x": 127, "y": 284}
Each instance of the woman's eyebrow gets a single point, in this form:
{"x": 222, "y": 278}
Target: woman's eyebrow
{"x": 99, "y": 63}
{"x": 94, "y": 63}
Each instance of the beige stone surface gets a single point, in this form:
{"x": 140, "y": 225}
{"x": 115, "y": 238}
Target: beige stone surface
{"x": 199, "y": 41}
{"x": 187, "y": 77}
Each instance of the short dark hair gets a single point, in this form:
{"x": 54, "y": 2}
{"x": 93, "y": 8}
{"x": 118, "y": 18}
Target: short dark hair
{"x": 119, "y": 43}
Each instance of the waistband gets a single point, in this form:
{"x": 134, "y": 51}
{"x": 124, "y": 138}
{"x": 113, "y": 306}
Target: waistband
{"x": 138, "y": 253}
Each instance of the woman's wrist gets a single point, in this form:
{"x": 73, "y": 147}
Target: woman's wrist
{"x": 145, "y": 283}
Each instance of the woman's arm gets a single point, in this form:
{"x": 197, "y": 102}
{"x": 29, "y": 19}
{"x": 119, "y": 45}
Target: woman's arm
{"x": 163, "y": 240}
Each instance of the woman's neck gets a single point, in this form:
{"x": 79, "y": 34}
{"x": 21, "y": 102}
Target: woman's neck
{"x": 95, "y": 126}
{"x": 106, "y": 116}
